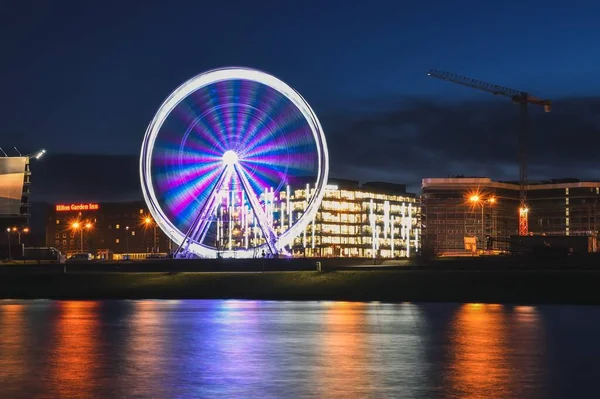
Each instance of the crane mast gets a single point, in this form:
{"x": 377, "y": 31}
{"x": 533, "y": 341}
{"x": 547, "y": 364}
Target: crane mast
{"x": 517, "y": 97}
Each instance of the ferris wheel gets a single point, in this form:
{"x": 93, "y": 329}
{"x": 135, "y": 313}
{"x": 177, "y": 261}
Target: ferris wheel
{"x": 219, "y": 151}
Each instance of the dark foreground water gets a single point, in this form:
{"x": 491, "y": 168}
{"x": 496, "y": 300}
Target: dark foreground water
{"x": 262, "y": 349}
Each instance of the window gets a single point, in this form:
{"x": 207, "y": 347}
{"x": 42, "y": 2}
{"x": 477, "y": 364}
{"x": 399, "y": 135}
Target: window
{"x": 117, "y": 226}
{"x": 117, "y": 241}
{"x": 141, "y": 211}
{"x": 64, "y": 235}
{"x": 133, "y": 233}
{"x": 56, "y": 242}
{"x": 57, "y": 235}
{"x": 64, "y": 242}
{"x": 57, "y": 221}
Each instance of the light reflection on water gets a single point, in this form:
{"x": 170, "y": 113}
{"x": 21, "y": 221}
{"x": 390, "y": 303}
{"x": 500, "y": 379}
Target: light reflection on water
{"x": 267, "y": 349}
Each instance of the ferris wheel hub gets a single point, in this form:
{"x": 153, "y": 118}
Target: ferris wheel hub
{"x": 230, "y": 158}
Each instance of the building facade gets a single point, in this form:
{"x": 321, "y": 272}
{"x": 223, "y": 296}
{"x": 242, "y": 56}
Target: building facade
{"x": 15, "y": 190}
{"x": 463, "y": 215}
{"x": 106, "y": 229}
{"x": 372, "y": 220}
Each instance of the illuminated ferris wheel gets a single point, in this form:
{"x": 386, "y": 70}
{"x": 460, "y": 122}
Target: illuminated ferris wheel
{"x": 219, "y": 150}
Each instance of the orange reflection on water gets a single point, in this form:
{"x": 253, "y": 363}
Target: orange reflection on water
{"x": 13, "y": 362}
{"x": 344, "y": 352}
{"x": 479, "y": 346}
{"x": 76, "y": 353}
{"x": 484, "y": 338}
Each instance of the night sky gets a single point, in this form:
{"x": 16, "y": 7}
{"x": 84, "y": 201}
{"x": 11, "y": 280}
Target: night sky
{"x": 84, "y": 78}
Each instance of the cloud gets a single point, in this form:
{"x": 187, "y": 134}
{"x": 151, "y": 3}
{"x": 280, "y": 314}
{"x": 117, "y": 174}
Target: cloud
{"x": 407, "y": 139}
{"x": 397, "y": 140}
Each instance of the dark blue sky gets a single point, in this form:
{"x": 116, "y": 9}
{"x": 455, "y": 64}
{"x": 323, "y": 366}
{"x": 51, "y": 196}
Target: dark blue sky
{"x": 86, "y": 77}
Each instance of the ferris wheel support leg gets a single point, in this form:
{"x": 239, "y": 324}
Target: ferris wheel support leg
{"x": 198, "y": 229}
{"x": 270, "y": 236}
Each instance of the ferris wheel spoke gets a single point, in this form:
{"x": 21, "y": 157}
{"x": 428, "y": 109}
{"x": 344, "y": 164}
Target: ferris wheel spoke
{"x": 199, "y": 228}
{"x": 261, "y": 217}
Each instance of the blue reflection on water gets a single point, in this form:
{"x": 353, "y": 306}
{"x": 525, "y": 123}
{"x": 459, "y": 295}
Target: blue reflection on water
{"x": 268, "y": 349}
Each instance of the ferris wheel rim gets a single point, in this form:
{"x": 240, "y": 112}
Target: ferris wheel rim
{"x": 182, "y": 92}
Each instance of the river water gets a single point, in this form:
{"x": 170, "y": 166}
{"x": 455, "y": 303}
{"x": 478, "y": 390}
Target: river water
{"x": 264, "y": 349}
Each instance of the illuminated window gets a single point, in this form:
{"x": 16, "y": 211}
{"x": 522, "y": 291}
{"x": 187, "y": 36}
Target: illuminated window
{"x": 141, "y": 211}
{"x": 57, "y": 221}
{"x": 117, "y": 227}
{"x": 133, "y": 233}
{"x": 117, "y": 241}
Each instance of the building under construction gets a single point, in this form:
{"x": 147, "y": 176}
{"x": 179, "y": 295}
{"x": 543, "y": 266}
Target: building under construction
{"x": 463, "y": 215}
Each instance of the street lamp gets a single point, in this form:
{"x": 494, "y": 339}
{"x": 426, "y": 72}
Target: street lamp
{"x": 19, "y": 232}
{"x": 127, "y": 241}
{"x": 78, "y": 226}
{"x": 148, "y": 221}
{"x": 88, "y": 227}
{"x": 480, "y": 200}
{"x": 8, "y": 235}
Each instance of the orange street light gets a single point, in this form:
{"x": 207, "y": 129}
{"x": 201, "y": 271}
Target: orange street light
{"x": 474, "y": 198}
{"x": 148, "y": 220}
{"x": 79, "y": 226}
{"x": 88, "y": 225}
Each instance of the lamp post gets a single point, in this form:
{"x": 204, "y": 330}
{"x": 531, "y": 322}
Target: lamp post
{"x": 479, "y": 200}
{"x": 8, "y": 235}
{"x": 148, "y": 221}
{"x": 18, "y": 234}
{"x": 78, "y": 226}
{"x": 18, "y": 231}
{"x": 127, "y": 241}
{"x": 88, "y": 227}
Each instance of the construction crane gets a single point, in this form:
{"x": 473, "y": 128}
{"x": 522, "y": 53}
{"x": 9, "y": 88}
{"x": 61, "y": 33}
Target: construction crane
{"x": 518, "y": 97}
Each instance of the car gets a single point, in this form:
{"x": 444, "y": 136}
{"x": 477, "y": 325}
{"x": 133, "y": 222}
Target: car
{"x": 81, "y": 256}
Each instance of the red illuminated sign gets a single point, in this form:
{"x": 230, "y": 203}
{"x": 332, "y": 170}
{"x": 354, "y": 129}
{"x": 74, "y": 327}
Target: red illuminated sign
{"x": 76, "y": 207}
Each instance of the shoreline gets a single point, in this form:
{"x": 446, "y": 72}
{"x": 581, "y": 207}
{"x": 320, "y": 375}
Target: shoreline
{"x": 463, "y": 286}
